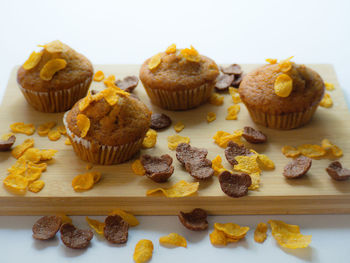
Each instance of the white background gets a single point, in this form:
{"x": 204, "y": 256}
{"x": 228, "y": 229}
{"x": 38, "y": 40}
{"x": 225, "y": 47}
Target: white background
{"x": 111, "y": 32}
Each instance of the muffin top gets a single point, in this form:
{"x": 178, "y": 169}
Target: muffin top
{"x": 110, "y": 117}
{"x": 55, "y": 67}
{"x": 178, "y": 69}
{"x": 278, "y": 89}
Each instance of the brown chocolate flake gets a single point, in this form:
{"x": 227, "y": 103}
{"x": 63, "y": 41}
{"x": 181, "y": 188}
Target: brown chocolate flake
{"x": 159, "y": 169}
{"x": 75, "y": 238}
{"x": 160, "y": 121}
{"x": 6, "y": 145}
{"x": 297, "y": 168}
{"x": 116, "y": 229}
{"x": 234, "y": 185}
{"x": 184, "y": 153}
{"x": 223, "y": 82}
{"x": 128, "y": 84}
{"x": 253, "y": 136}
{"x": 233, "y": 69}
{"x": 337, "y": 172}
{"x": 233, "y": 149}
{"x": 238, "y": 79}
{"x": 46, "y": 227}
{"x": 196, "y": 220}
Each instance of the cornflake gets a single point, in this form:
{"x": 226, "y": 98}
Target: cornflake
{"x": 232, "y": 112}
{"x": 99, "y": 76}
{"x": 235, "y": 95}
{"x": 265, "y": 162}
{"x": 19, "y": 150}
{"x": 109, "y": 81}
{"x": 83, "y": 182}
{"x": 211, "y": 116}
{"x": 36, "y": 186}
{"x": 217, "y": 166}
{"x": 176, "y": 139}
{"x": 33, "y": 60}
{"x": 255, "y": 181}
{"x": 155, "y": 61}
{"x": 143, "y": 251}
{"x": 327, "y": 101}
{"x": 32, "y": 154}
{"x": 329, "y": 86}
{"x": 283, "y": 85}
{"x": 127, "y": 217}
{"x": 51, "y": 67}
{"x": 20, "y": 127}
{"x": 110, "y": 95}
{"x": 247, "y": 164}
{"x": 137, "y": 167}
{"x": 216, "y": 99}
{"x": 271, "y": 60}
{"x": 62, "y": 129}
{"x": 171, "y": 49}
{"x": 222, "y": 138}
{"x": 290, "y": 151}
{"x": 150, "y": 139}
{"x": 173, "y": 239}
{"x": 54, "y": 135}
{"x": 67, "y": 142}
{"x": 178, "y": 127}
{"x": 218, "y": 238}
{"x": 85, "y": 102}
{"x": 232, "y": 230}
{"x": 48, "y": 154}
{"x": 53, "y": 47}
{"x": 83, "y": 123}
{"x": 327, "y": 145}
{"x": 96, "y": 225}
{"x": 260, "y": 233}
{"x": 16, "y": 182}
{"x": 311, "y": 150}
{"x": 285, "y": 65}
{"x": 180, "y": 189}
{"x": 44, "y": 129}
{"x": 190, "y": 54}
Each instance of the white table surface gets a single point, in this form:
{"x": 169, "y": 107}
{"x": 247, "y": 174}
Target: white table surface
{"x": 111, "y": 32}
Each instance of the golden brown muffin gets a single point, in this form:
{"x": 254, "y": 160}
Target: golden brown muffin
{"x": 55, "y": 86}
{"x": 179, "y": 79}
{"x": 293, "y": 109}
{"x": 108, "y": 127}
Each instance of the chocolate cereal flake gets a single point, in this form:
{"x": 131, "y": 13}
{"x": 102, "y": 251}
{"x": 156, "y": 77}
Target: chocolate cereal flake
{"x": 116, "y": 229}
{"x": 337, "y": 172}
{"x": 75, "y": 238}
{"x": 233, "y": 149}
{"x": 160, "y": 121}
{"x": 128, "y": 84}
{"x": 233, "y": 69}
{"x": 253, "y": 136}
{"x": 234, "y": 185}
{"x": 185, "y": 152}
{"x": 6, "y": 145}
{"x": 238, "y": 79}
{"x": 46, "y": 227}
{"x": 159, "y": 169}
{"x": 223, "y": 82}
{"x": 297, "y": 167}
{"x": 196, "y": 220}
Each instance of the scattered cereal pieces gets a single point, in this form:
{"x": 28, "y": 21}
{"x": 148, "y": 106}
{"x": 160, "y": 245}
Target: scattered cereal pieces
{"x": 127, "y": 217}
{"x": 260, "y": 233}
{"x": 180, "y": 189}
{"x": 196, "y": 220}
{"x": 329, "y": 86}
{"x": 20, "y": 127}
{"x": 232, "y": 230}
{"x": 223, "y": 82}
{"x": 36, "y": 186}
{"x": 33, "y": 60}
{"x": 6, "y": 144}
{"x": 171, "y": 49}
{"x": 158, "y": 169}
{"x": 283, "y": 85}
{"x": 16, "y": 182}
{"x": 75, "y": 238}
{"x": 54, "y": 135}
{"x": 233, "y": 69}
{"x": 155, "y": 61}
{"x": 285, "y": 65}
{"x": 128, "y": 84}
{"x": 218, "y": 238}
{"x": 297, "y": 168}
{"x": 326, "y": 101}
{"x": 222, "y": 138}
{"x": 234, "y": 185}
{"x": 265, "y": 163}
{"x": 290, "y": 151}
{"x": 46, "y": 227}
{"x": 217, "y": 166}
{"x": 173, "y": 239}
{"x": 232, "y": 112}
{"x": 190, "y": 54}
{"x": 160, "y": 121}
{"x": 247, "y": 164}
{"x": 51, "y": 67}
{"x": 99, "y": 76}
{"x": 234, "y": 95}
{"x": 335, "y": 150}
{"x": 116, "y": 229}
{"x": 143, "y": 251}
{"x": 288, "y": 236}
{"x": 83, "y": 123}
{"x": 253, "y": 136}
{"x": 150, "y": 139}
{"x": 83, "y": 182}
{"x": 216, "y": 99}
{"x": 19, "y": 150}
{"x": 311, "y": 150}
{"x": 271, "y": 60}
{"x": 96, "y": 225}
{"x": 178, "y": 127}
{"x": 211, "y": 116}
{"x": 175, "y": 140}
{"x": 138, "y": 168}
{"x": 337, "y": 172}
{"x": 67, "y": 142}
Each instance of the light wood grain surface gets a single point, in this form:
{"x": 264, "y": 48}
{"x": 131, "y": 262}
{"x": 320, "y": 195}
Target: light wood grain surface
{"x": 120, "y": 188}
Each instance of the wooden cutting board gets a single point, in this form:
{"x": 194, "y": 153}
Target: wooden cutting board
{"x": 119, "y": 188}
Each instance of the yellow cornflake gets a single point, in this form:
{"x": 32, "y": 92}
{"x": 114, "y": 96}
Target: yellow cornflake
{"x": 180, "y": 189}
{"x": 41, "y": 166}
{"x": 143, "y": 251}
{"x": 260, "y": 233}
{"x": 211, "y": 116}
{"x": 83, "y": 182}
{"x": 44, "y": 129}
{"x": 255, "y": 177}
{"x": 327, "y": 145}
{"x": 150, "y": 139}
{"x": 265, "y": 162}
{"x": 47, "y": 154}
{"x": 83, "y": 123}
{"x": 65, "y": 218}
{"x": 99, "y": 76}
{"x": 235, "y": 95}
{"x": 232, "y": 230}
{"x": 33, "y": 60}
{"x": 20, "y": 127}
{"x": 129, "y": 218}
{"x": 290, "y": 151}
{"x": 51, "y": 67}
{"x": 283, "y": 85}
{"x": 62, "y": 129}
{"x": 271, "y": 60}
{"x": 285, "y": 65}
{"x": 178, "y": 127}
{"x": 311, "y": 150}
{"x": 329, "y": 86}
{"x": 54, "y": 46}
{"x": 232, "y": 112}
{"x": 137, "y": 167}
{"x": 173, "y": 239}
{"x": 19, "y": 167}
{"x": 222, "y": 138}
{"x": 16, "y": 182}
{"x": 216, "y": 165}
{"x": 109, "y": 80}
{"x": 327, "y": 101}
{"x": 155, "y": 61}
{"x": 96, "y": 225}
{"x": 171, "y": 49}
{"x": 36, "y": 186}
{"x": 190, "y": 54}
{"x": 54, "y": 135}
{"x": 288, "y": 236}
{"x": 85, "y": 102}
{"x": 32, "y": 174}
{"x": 218, "y": 238}
{"x": 175, "y": 140}
{"x": 19, "y": 150}
{"x": 32, "y": 154}
{"x": 110, "y": 95}
{"x": 216, "y": 99}
{"x": 247, "y": 164}
{"x": 67, "y": 142}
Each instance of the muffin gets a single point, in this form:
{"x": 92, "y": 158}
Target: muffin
{"x": 282, "y": 95}
{"x": 55, "y": 78}
{"x": 108, "y": 127}
{"x": 179, "y": 79}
